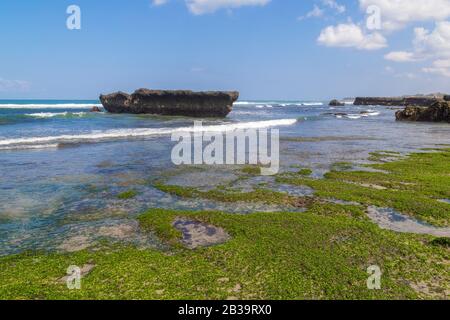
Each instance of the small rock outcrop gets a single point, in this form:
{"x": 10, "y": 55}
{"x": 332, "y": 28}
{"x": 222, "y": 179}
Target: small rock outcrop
{"x": 438, "y": 112}
{"x": 336, "y": 103}
{"x": 197, "y": 234}
{"x": 95, "y": 109}
{"x": 447, "y": 98}
{"x": 172, "y": 103}
{"x": 423, "y": 101}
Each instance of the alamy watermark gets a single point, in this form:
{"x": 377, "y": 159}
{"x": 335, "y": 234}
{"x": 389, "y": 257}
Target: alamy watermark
{"x": 209, "y": 146}
{"x": 73, "y": 279}
{"x": 374, "y": 280}
{"x": 73, "y": 22}
{"x": 373, "y": 21}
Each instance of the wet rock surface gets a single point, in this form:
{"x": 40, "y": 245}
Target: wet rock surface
{"x": 336, "y": 103}
{"x": 86, "y": 236}
{"x": 95, "y": 109}
{"x": 438, "y": 112}
{"x": 198, "y": 234}
{"x": 172, "y": 103}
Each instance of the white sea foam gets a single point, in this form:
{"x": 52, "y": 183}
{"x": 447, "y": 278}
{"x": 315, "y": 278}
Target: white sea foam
{"x": 371, "y": 114}
{"x": 50, "y": 106}
{"x": 312, "y": 103}
{"x": 256, "y": 103}
{"x": 271, "y": 104}
{"x": 143, "y": 132}
{"x": 243, "y": 103}
{"x": 35, "y": 146}
{"x": 55, "y": 114}
{"x": 353, "y": 116}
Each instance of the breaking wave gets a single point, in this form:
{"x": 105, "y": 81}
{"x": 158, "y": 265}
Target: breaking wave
{"x": 140, "y": 132}
{"x": 55, "y": 114}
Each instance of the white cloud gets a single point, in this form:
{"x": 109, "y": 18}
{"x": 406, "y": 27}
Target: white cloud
{"x": 396, "y": 14}
{"x": 334, "y": 5}
{"x": 389, "y": 69}
{"x": 428, "y": 45}
{"x": 439, "y": 67}
{"x": 13, "y": 85}
{"x": 435, "y": 45}
{"x": 159, "y": 2}
{"x": 436, "y": 42}
{"x": 316, "y": 12}
{"x": 431, "y": 45}
{"x": 199, "y": 7}
{"x": 351, "y": 35}
{"x": 401, "y": 56}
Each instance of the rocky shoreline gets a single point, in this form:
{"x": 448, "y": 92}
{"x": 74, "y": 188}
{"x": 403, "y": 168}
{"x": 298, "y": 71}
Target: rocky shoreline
{"x": 172, "y": 103}
{"x": 432, "y": 108}
{"x": 438, "y": 112}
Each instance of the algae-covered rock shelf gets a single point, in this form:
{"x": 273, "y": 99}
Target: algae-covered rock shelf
{"x": 321, "y": 253}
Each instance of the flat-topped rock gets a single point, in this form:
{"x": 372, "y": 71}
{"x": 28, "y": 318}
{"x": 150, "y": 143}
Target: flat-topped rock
{"x": 171, "y": 102}
{"x": 423, "y": 101}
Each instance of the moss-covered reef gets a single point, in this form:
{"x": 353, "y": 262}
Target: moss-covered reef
{"x": 323, "y": 253}
{"x": 251, "y": 170}
{"x": 130, "y": 194}
{"x": 224, "y": 194}
{"x": 412, "y": 185}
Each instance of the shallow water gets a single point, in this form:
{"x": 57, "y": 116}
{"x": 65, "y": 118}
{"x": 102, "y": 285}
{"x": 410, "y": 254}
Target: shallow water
{"x": 390, "y": 219}
{"x": 77, "y": 162}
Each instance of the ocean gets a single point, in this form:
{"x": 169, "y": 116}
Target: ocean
{"x": 63, "y": 167}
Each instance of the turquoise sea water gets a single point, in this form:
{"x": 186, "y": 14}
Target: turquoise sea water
{"x": 62, "y": 167}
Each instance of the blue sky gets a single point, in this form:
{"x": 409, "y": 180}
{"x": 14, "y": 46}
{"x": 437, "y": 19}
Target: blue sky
{"x": 266, "y": 49}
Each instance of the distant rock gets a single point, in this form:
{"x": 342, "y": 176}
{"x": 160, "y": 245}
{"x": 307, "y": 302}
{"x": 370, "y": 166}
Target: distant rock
{"x": 172, "y": 103}
{"x": 96, "y": 109}
{"x": 397, "y": 101}
{"x": 336, "y": 103}
{"x": 438, "y": 112}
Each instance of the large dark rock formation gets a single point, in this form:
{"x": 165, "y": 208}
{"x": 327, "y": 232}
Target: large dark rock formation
{"x": 423, "y": 101}
{"x": 438, "y": 112}
{"x": 173, "y": 103}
